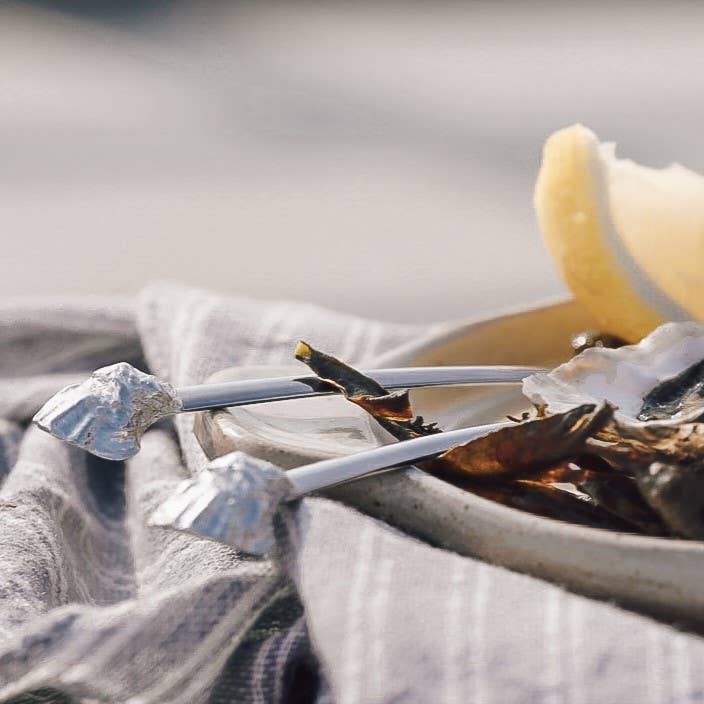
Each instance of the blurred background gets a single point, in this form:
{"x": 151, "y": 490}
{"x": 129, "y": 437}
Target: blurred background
{"x": 375, "y": 157}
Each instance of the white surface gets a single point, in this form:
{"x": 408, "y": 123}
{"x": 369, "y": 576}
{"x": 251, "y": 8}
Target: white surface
{"x": 377, "y": 158}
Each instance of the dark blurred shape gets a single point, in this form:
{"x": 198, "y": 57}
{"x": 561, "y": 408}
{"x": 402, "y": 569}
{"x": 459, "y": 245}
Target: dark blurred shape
{"x": 591, "y": 338}
{"x": 125, "y": 12}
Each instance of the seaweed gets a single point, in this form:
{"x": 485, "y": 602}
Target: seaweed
{"x": 392, "y": 410}
{"x": 501, "y": 465}
{"x": 584, "y": 465}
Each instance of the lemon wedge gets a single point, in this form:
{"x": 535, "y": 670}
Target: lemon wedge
{"x": 629, "y": 240}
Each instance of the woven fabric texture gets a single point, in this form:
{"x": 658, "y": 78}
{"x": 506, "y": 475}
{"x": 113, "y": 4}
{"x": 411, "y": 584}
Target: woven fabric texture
{"x": 95, "y": 606}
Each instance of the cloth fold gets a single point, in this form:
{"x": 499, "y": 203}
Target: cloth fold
{"x": 95, "y": 605}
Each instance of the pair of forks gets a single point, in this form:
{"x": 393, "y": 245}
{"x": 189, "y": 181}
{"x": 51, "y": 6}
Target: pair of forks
{"x": 235, "y": 502}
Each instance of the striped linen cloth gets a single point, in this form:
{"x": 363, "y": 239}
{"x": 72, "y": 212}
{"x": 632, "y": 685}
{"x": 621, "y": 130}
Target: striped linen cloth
{"x": 96, "y": 607}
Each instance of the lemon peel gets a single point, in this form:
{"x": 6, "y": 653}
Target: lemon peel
{"x": 628, "y": 239}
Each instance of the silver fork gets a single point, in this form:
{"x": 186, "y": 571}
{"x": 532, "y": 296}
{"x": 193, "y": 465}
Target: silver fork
{"x": 108, "y": 413}
{"x": 235, "y": 499}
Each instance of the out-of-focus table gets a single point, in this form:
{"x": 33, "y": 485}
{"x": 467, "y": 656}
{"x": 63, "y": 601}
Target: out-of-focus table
{"x": 374, "y": 157}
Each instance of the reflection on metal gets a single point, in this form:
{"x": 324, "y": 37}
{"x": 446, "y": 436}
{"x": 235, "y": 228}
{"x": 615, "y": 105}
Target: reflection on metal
{"x": 233, "y": 501}
{"x": 108, "y": 413}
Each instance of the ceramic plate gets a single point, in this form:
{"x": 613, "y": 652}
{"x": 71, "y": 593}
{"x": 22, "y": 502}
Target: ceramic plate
{"x": 661, "y": 576}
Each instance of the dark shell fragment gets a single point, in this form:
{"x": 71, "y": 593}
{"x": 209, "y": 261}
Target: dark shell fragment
{"x": 532, "y": 444}
{"x": 676, "y": 492}
{"x": 626, "y": 445}
{"x": 613, "y": 492}
{"x": 683, "y": 394}
{"x": 591, "y": 338}
{"x": 550, "y": 502}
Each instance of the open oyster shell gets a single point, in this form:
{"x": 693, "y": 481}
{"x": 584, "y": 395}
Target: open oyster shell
{"x": 625, "y": 376}
{"x": 657, "y": 434}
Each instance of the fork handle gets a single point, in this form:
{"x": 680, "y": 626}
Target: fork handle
{"x": 327, "y": 473}
{"x": 247, "y": 391}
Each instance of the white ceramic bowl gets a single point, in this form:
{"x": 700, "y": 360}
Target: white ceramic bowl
{"x": 657, "y": 575}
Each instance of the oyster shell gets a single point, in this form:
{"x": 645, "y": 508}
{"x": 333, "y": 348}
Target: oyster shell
{"x": 657, "y": 434}
{"x": 626, "y": 376}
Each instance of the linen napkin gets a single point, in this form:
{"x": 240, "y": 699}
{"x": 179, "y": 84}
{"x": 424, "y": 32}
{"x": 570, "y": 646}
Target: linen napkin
{"x": 95, "y": 606}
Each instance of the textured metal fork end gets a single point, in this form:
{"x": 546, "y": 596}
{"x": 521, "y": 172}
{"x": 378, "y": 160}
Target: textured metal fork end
{"x": 108, "y": 413}
{"x": 233, "y": 501}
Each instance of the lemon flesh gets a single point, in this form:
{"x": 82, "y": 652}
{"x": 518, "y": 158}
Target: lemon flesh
{"x": 629, "y": 240}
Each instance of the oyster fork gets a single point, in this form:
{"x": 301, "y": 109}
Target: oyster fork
{"x": 234, "y": 500}
{"x": 108, "y": 413}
